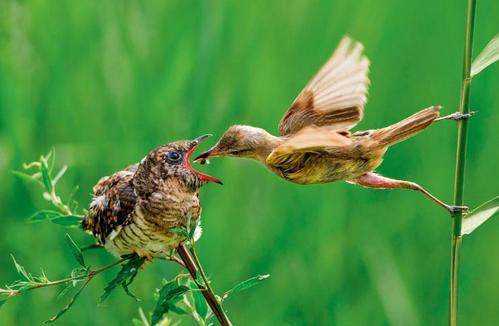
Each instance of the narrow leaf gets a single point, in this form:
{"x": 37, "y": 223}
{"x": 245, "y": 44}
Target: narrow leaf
{"x": 137, "y": 322}
{"x": 47, "y": 182}
{"x": 20, "y": 269}
{"x": 178, "y": 231}
{"x": 124, "y": 277}
{"x": 2, "y": 302}
{"x": 66, "y": 307}
{"x": 67, "y": 220}
{"x": 27, "y": 177}
{"x": 200, "y": 303}
{"x": 75, "y": 250}
{"x": 247, "y": 284}
{"x": 488, "y": 56}
{"x": 60, "y": 174}
{"x": 169, "y": 295}
{"x": 43, "y": 215}
{"x": 479, "y": 215}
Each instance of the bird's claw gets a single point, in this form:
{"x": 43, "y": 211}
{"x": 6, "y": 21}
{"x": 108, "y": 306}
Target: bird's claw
{"x": 453, "y": 210}
{"x": 457, "y": 116}
{"x": 147, "y": 258}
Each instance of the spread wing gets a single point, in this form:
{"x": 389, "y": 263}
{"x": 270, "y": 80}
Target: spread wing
{"x": 308, "y": 143}
{"x": 113, "y": 202}
{"x": 335, "y": 96}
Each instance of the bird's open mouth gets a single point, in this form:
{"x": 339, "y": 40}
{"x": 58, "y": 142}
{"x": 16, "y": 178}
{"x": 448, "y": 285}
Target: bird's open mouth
{"x": 203, "y": 157}
{"x": 204, "y": 177}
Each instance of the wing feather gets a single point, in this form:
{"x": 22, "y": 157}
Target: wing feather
{"x": 336, "y": 95}
{"x": 310, "y": 140}
{"x": 114, "y": 200}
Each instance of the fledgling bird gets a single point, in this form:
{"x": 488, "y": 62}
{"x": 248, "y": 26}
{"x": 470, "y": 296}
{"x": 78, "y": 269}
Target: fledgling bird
{"x": 133, "y": 210}
{"x": 316, "y": 145}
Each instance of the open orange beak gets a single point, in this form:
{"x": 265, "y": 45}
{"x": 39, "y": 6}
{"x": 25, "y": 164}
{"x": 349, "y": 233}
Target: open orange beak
{"x": 194, "y": 144}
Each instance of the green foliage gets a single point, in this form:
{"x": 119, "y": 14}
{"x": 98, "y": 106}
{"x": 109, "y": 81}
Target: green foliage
{"x": 479, "y": 215}
{"x": 105, "y": 82}
{"x": 249, "y": 283}
{"x": 75, "y": 250}
{"x": 124, "y": 278}
{"x": 170, "y": 295}
{"x": 28, "y": 281}
{"x": 199, "y": 301}
{"x": 67, "y": 220}
{"x": 43, "y": 215}
{"x": 66, "y": 307}
{"x": 43, "y": 170}
{"x": 487, "y": 57}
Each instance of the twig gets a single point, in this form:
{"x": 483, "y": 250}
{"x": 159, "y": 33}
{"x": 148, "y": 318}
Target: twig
{"x": 206, "y": 290}
{"x": 460, "y": 164}
{"x": 88, "y": 277}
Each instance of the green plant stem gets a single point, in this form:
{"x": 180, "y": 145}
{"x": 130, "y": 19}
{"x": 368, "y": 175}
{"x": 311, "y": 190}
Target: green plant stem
{"x": 89, "y": 276}
{"x": 194, "y": 267}
{"x": 464, "y": 108}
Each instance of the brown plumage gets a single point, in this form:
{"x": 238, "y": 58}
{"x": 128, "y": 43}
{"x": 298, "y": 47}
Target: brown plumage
{"x": 316, "y": 145}
{"x": 133, "y": 210}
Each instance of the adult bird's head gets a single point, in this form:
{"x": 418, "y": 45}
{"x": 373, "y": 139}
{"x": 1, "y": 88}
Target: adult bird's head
{"x": 169, "y": 164}
{"x": 242, "y": 141}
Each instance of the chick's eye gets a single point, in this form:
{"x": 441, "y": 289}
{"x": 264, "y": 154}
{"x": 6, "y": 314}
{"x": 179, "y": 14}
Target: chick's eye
{"x": 173, "y": 156}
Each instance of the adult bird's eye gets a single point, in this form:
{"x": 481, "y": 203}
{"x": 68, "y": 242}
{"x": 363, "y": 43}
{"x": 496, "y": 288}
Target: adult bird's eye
{"x": 173, "y": 157}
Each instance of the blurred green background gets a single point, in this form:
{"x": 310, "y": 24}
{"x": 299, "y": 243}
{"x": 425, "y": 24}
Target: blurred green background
{"x": 107, "y": 81}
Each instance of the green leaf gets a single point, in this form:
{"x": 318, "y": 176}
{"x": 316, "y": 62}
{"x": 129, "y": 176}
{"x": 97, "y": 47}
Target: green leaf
{"x": 199, "y": 303}
{"x": 179, "y": 231}
{"x": 75, "y": 250}
{"x": 43, "y": 215}
{"x": 67, "y": 220}
{"x": 169, "y": 295}
{"x": 66, "y": 307}
{"x": 194, "y": 228}
{"x": 27, "y": 177}
{"x": 137, "y": 322}
{"x": 21, "y": 270}
{"x": 2, "y": 302}
{"x": 246, "y": 284}
{"x": 47, "y": 182}
{"x": 124, "y": 277}
{"x": 488, "y": 56}
{"x": 479, "y": 215}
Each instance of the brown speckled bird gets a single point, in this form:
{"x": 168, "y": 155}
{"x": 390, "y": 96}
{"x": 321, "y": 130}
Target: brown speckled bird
{"x": 316, "y": 145}
{"x": 133, "y": 210}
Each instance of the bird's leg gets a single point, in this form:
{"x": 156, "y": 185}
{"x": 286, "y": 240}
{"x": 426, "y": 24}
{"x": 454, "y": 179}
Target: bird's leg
{"x": 456, "y": 116}
{"x": 373, "y": 180}
{"x": 147, "y": 258}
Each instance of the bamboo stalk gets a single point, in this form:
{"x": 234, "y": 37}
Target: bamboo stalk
{"x": 464, "y": 108}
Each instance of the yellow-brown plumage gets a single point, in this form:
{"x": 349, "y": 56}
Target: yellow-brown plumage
{"x": 316, "y": 145}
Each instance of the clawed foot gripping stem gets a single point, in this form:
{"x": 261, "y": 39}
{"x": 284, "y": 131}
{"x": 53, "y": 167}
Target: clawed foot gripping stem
{"x": 457, "y": 116}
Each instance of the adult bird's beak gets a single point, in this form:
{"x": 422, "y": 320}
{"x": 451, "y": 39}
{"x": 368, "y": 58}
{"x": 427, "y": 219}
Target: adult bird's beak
{"x": 203, "y": 157}
{"x": 194, "y": 144}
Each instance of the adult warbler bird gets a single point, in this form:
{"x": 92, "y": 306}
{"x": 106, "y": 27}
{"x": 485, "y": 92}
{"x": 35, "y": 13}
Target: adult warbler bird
{"x": 133, "y": 210}
{"x": 316, "y": 145}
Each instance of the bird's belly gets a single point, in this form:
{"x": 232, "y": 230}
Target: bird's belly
{"x": 142, "y": 238}
{"x": 330, "y": 170}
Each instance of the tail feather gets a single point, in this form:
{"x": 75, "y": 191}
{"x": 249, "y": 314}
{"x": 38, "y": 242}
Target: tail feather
{"x": 407, "y": 127}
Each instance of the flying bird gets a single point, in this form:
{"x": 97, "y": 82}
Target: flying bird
{"x": 135, "y": 210}
{"x": 315, "y": 143}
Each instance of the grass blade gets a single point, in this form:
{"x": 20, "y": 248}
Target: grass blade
{"x": 479, "y": 215}
{"x": 488, "y": 56}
